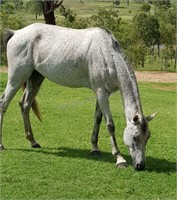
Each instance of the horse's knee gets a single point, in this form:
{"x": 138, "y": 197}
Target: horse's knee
{"x": 24, "y": 106}
{"x": 1, "y": 102}
{"x": 3, "y": 105}
{"x": 111, "y": 127}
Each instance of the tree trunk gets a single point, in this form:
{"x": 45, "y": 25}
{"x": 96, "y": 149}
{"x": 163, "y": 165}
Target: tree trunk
{"x": 175, "y": 59}
{"x": 48, "y": 16}
{"x": 158, "y": 47}
{"x": 142, "y": 62}
{"x": 175, "y": 65}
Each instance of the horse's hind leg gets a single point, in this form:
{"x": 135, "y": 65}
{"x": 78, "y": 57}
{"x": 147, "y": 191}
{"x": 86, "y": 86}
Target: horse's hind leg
{"x": 103, "y": 101}
{"x": 32, "y": 87}
{"x": 97, "y": 121}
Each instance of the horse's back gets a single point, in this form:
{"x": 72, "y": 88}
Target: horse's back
{"x": 60, "y": 54}
{"x": 63, "y": 55}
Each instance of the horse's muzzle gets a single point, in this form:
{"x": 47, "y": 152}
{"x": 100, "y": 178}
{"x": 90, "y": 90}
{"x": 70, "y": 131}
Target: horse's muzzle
{"x": 140, "y": 166}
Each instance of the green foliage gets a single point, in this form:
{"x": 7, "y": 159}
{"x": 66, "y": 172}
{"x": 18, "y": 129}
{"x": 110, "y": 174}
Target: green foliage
{"x": 166, "y": 15}
{"x": 63, "y": 167}
{"x": 146, "y": 28}
{"x": 35, "y": 7}
{"x": 145, "y": 8}
{"x": 18, "y": 4}
{"x": 162, "y": 3}
{"x": 70, "y": 17}
{"x": 137, "y": 52}
{"x": 116, "y": 2}
{"x": 7, "y": 21}
{"x": 108, "y": 19}
{"x": 167, "y": 34}
{"x": 168, "y": 53}
{"x": 7, "y": 7}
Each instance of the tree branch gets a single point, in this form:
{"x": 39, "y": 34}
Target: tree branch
{"x": 54, "y": 5}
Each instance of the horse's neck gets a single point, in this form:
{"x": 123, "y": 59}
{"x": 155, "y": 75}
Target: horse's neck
{"x": 129, "y": 89}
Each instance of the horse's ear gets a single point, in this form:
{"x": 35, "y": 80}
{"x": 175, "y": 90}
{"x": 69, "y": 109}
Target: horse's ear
{"x": 149, "y": 118}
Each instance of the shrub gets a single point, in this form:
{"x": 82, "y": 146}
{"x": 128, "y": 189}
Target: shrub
{"x": 7, "y": 21}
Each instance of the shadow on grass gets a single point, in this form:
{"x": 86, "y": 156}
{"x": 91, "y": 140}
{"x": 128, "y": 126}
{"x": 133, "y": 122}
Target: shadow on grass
{"x": 152, "y": 164}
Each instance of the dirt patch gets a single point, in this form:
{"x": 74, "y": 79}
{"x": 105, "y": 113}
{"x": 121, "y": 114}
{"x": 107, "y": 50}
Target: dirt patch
{"x": 156, "y": 77}
{"x": 165, "y": 87}
{"x": 145, "y": 76}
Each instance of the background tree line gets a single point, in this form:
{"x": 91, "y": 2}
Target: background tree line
{"x": 147, "y": 37}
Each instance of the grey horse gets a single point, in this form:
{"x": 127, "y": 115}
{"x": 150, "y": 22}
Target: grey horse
{"x": 90, "y": 58}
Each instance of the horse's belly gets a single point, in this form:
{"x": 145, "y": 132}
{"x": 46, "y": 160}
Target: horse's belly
{"x": 70, "y": 76}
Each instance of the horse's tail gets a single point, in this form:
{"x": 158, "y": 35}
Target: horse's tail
{"x": 8, "y": 33}
{"x": 36, "y": 110}
{"x": 34, "y": 106}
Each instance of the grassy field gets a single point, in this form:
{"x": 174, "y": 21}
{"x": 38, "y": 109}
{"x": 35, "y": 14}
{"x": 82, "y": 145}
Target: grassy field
{"x": 89, "y": 8}
{"x": 64, "y": 169}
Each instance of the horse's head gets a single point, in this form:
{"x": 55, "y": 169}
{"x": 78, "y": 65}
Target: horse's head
{"x": 136, "y": 135}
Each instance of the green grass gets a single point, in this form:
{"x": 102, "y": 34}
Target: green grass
{"x": 64, "y": 169}
{"x": 91, "y": 7}
{"x": 87, "y": 9}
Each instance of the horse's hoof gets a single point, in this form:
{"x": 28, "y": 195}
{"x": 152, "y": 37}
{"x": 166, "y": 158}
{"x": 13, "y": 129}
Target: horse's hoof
{"x": 1, "y": 147}
{"x": 121, "y": 162}
{"x": 122, "y": 165}
{"x": 36, "y": 146}
{"x": 95, "y": 153}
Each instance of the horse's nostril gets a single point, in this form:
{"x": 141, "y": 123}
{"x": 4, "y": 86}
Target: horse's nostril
{"x": 140, "y": 167}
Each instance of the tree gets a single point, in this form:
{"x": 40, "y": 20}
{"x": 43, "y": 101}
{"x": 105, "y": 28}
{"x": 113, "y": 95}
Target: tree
{"x": 7, "y": 21}
{"x": 146, "y": 27}
{"x": 167, "y": 21}
{"x": 145, "y": 8}
{"x": 48, "y": 10}
{"x": 68, "y": 14}
{"x": 18, "y": 4}
{"x": 35, "y": 7}
{"x": 167, "y": 34}
{"x": 7, "y": 7}
{"x": 168, "y": 53}
{"x": 160, "y": 3}
{"x": 167, "y": 15}
{"x": 108, "y": 19}
{"x": 128, "y": 2}
{"x": 137, "y": 51}
{"x": 116, "y": 2}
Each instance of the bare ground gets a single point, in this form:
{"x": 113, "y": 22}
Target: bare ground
{"x": 153, "y": 76}
{"x": 145, "y": 76}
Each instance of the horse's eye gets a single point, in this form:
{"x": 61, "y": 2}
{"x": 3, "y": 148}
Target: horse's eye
{"x": 134, "y": 138}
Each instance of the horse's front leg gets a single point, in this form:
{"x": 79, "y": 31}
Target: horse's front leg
{"x": 97, "y": 121}
{"x": 103, "y": 101}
